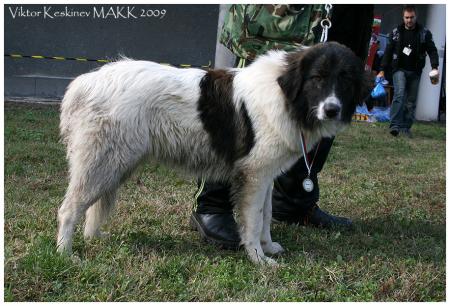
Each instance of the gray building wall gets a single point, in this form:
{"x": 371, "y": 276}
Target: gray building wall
{"x": 186, "y": 34}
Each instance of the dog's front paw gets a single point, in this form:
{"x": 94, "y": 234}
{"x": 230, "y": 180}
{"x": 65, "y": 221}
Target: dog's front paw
{"x": 270, "y": 262}
{"x": 260, "y": 259}
{"x": 64, "y": 249}
{"x": 272, "y": 248}
{"x": 265, "y": 261}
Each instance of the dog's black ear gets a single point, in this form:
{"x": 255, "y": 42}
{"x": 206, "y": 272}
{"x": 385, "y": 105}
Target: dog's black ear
{"x": 366, "y": 86}
{"x": 291, "y": 80}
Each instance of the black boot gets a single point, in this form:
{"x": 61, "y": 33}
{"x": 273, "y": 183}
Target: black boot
{"x": 292, "y": 204}
{"x": 213, "y": 217}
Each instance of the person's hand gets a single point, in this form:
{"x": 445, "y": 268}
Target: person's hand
{"x": 380, "y": 75}
{"x": 434, "y": 76}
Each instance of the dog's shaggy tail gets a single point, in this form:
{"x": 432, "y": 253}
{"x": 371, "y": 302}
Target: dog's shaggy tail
{"x": 76, "y": 95}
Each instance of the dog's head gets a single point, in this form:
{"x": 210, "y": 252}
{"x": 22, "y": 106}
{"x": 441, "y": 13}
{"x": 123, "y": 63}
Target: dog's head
{"x": 323, "y": 84}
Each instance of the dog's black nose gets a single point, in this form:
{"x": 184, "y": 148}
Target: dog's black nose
{"x": 331, "y": 109}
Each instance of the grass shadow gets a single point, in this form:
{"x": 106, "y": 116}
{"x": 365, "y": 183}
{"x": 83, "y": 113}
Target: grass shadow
{"x": 379, "y": 237}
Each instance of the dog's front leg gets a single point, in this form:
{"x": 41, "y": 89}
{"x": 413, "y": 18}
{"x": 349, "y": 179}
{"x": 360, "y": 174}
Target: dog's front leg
{"x": 251, "y": 199}
{"x": 267, "y": 244}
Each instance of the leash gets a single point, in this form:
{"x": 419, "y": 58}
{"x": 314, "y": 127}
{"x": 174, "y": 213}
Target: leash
{"x": 326, "y": 23}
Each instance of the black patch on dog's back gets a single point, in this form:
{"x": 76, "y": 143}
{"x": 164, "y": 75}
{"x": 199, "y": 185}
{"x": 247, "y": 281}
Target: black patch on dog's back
{"x": 248, "y": 135}
{"x": 231, "y": 131}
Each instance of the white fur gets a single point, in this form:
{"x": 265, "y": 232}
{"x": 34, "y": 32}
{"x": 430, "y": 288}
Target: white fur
{"x": 125, "y": 112}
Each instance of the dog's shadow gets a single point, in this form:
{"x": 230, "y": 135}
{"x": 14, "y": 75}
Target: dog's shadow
{"x": 143, "y": 242}
{"x": 385, "y": 237}
{"x": 380, "y": 237}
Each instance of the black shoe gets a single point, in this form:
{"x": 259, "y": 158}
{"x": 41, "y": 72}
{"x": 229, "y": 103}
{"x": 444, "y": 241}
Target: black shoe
{"x": 217, "y": 229}
{"x": 315, "y": 217}
{"x": 406, "y": 132}
{"x": 394, "y": 132}
{"x": 320, "y": 218}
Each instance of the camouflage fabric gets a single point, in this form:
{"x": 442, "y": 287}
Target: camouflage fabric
{"x": 253, "y": 29}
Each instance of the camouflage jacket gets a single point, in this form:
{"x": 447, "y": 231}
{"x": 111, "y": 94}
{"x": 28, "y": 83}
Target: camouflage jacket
{"x": 252, "y": 29}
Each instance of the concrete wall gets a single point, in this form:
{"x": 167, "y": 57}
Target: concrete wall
{"x": 428, "y": 95}
{"x": 186, "y": 34}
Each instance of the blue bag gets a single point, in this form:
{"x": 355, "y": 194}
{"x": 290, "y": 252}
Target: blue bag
{"x": 382, "y": 114}
{"x": 378, "y": 91}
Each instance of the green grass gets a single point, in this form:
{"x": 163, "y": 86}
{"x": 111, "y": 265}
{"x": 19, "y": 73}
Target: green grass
{"x": 393, "y": 189}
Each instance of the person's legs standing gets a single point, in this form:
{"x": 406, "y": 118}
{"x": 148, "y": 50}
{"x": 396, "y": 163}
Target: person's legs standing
{"x": 412, "y": 87}
{"x": 397, "y": 106}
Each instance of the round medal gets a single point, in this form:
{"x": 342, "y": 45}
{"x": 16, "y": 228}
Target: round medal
{"x": 308, "y": 185}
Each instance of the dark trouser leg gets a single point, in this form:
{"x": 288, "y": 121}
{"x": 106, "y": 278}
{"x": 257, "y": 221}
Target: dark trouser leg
{"x": 398, "y": 101}
{"x": 213, "y": 215}
{"x": 289, "y": 197}
{"x": 213, "y": 198}
{"x": 292, "y": 204}
{"x": 412, "y": 87}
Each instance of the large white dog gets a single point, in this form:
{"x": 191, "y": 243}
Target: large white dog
{"x": 241, "y": 126}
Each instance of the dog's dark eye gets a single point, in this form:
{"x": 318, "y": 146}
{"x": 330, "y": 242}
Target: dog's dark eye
{"x": 316, "y": 78}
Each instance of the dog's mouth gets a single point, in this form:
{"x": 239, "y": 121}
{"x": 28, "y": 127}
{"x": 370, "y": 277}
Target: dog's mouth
{"x": 326, "y": 117}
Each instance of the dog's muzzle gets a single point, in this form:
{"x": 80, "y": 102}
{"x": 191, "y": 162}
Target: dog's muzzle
{"x": 329, "y": 109}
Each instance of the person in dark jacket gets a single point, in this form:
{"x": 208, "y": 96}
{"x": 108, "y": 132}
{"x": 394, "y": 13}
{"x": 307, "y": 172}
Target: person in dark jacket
{"x": 251, "y": 30}
{"x": 408, "y": 45}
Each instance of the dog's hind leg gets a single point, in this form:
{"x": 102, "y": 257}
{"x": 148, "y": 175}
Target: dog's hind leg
{"x": 250, "y": 199}
{"x": 97, "y": 169}
{"x": 76, "y": 201}
{"x": 91, "y": 190}
{"x": 267, "y": 244}
{"x": 95, "y": 178}
{"x": 97, "y": 214}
